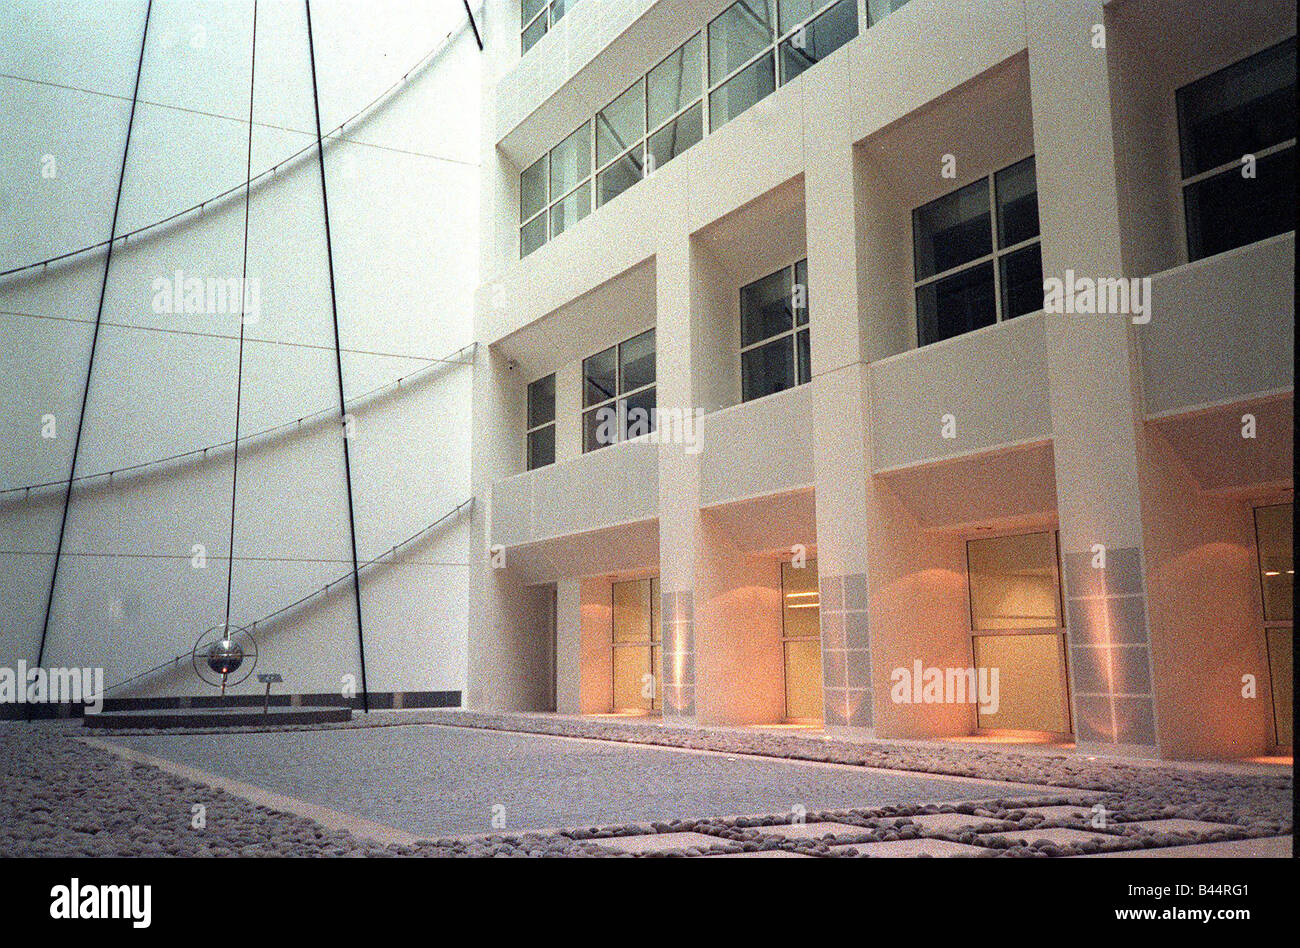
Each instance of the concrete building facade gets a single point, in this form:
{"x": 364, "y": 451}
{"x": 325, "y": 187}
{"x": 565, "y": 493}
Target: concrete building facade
{"x": 907, "y": 370}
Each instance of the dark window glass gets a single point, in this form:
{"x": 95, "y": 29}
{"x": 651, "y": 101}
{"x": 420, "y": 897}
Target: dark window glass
{"x": 765, "y": 307}
{"x": 956, "y": 304}
{"x": 792, "y": 11}
{"x": 618, "y": 177}
{"x": 532, "y": 235}
{"x": 600, "y": 377}
{"x": 767, "y": 369}
{"x": 741, "y": 91}
{"x": 1228, "y": 210}
{"x": 534, "y": 32}
{"x": 532, "y": 189}
{"x": 805, "y": 356}
{"x": 559, "y": 8}
{"x": 600, "y": 427}
{"x": 638, "y": 413}
{"x": 541, "y": 447}
{"x": 1022, "y": 281}
{"x": 620, "y": 124}
{"x": 819, "y": 38}
{"x": 952, "y": 230}
{"x": 637, "y": 361}
{"x": 677, "y": 136}
{"x": 1238, "y": 110}
{"x": 1016, "y": 189}
{"x": 541, "y": 401}
{"x": 530, "y": 8}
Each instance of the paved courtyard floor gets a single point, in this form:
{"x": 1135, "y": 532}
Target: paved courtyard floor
{"x": 460, "y": 783}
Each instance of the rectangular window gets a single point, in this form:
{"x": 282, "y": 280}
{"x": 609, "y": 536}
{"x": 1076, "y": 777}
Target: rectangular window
{"x": 818, "y": 39}
{"x": 976, "y": 255}
{"x": 536, "y": 17}
{"x": 1017, "y": 627}
{"x": 637, "y": 645}
{"x": 620, "y": 143}
{"x": 541, "y": 422}
{"x": 1237, "y": 133}
{"x": 774, "y": 344}
{"x": 801, "y": 641}
{"x": 618, "y": 392}
{"x": 1274, "y": 529}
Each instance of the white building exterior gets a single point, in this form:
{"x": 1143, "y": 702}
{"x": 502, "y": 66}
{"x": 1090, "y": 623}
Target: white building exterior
{"x": 932, "y": 473}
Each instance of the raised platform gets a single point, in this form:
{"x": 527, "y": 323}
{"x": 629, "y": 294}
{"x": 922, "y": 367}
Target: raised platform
{"x": 218, "y": 717}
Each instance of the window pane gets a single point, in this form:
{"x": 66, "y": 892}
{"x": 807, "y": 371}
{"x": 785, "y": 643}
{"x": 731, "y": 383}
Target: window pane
{"x": 599, "y": 377}
{"x": 675, "y": 82}
{"x": 767, "y": 369}
{"x": 1273, "y": 526}
{"x": 532, "y": 189}
{"x": 1016, "y": 189}
{"x": 877, "y": 10}
{"x": 530, "y": 36}
{"x": 631, "y": 666}
{"x": 559, "y": 8}
{"x": 1022, "y": 281}
{"x": 639, "y": 413}
{"x": 656, "y": 613}
{"x": 819, "y": 39}
{"x": 677, "y": 136}
{"x": 600, "y": 427}
{"x": 795, "y": 11}
{"x": 1032, "y": 694}
{"x": 952, "y": 230}
{"x": 800, "y": 600}
{"x": 620, "y": 124}
{"x": 571, "y": 161}
{"x": 1228, "y": 211}
{"x": 1013, "y": 583}
{"x": 632, "y": 611}
{"x": 955, "y": 304}
{"x": 1239, "y": 110}
{"x": 530, "y": 9}
{"x": 804, "y": 353}
{"x": 765, "y": 308}
{"x": 541, "y": 447}
{"x": 618, "y": 177}
{"x": 803, "y": 680}
{"x": 740, "y": 92}
{"x": 541, "y": 401}
{"x": 571, "y": 210}
{"x": 740, "y": 33}
{"x": 799, "y": 294}
{"x": 532, "y": 235}
{"x": 637, "y": 361}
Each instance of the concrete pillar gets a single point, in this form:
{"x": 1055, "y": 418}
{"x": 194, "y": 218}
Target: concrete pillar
{"x": 1094, "y": 393}
{"x": 568, "y": 646}
{"x": 841, "y": 442}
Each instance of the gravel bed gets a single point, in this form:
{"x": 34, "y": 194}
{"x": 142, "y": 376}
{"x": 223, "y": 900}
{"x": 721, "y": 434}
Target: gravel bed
{"x": 62, "y": 797}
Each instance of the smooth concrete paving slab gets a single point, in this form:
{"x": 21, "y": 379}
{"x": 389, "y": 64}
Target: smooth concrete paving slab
{"x": 911, "y": 848}
{"x": 661, "y": 842}
{"x": 1063, "y": 812}
{"x": 435, "y": 780}
{"x": 763, "y": 854}
{"x": 812, "y": 830}
{"x": 1188, "y": 827}
{"x": 955, "y": 822}
{"x": 1269, "y": 847}
{"x": 1058, "y": 835}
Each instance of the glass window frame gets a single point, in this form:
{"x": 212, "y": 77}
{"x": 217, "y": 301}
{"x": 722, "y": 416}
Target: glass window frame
{"x": 617, "y": 400}
{"x": 532, "y": 429}
{"x": 791, "y": 272}
{"x": 1187, "y": 181}
{"x": 813, "y": 601}
{"x": 995, "y": 257}
{"x": 652, "y": 645}
{"x": 550, "y": 13}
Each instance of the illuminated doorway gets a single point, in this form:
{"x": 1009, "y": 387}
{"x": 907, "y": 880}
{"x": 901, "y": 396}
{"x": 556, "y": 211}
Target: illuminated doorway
{"x": 801, "y": 642}
{"x": 637, "y": 651}
{"x": 1017, "y": 627}
{"x": 1273, "y": 532}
